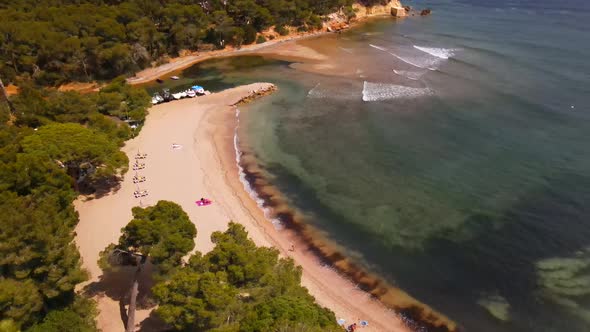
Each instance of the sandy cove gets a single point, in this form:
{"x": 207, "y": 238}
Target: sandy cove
{"x": 206, "y": 166}
{"x": 177, "y": 64}
{"x": 272, "y": 47}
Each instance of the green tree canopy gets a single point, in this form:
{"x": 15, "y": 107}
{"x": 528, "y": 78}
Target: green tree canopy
{"x": 80, "y": 150}
{"x": 162, "y": 232}
{"x": 19, "y": 301}
{"x": 240, "y": 287}
{"x": 39, "y": 263}
{"x": 78, "y": 317}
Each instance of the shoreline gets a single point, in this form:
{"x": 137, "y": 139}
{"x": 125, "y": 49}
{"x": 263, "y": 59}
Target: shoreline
{"x": 180, "y": 63}
{"x": 205, "y": 166}
{"x": 415, "y": 314}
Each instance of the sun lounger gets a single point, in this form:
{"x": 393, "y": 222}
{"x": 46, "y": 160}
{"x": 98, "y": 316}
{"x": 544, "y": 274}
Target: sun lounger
{"x": 138, "y": 179}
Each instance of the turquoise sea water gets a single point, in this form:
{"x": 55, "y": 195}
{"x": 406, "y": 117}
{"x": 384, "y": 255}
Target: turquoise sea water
{"x": 450, "y": 154}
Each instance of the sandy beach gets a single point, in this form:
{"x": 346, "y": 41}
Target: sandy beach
{"x": 204, "y": 166}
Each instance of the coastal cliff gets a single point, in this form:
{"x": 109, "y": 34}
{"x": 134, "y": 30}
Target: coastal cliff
{"x": 341, "y": 19}
{"x": 393, "y": 7}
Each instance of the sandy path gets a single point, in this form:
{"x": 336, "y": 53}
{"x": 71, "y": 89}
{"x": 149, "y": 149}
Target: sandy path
{"x": 205, "y": 167}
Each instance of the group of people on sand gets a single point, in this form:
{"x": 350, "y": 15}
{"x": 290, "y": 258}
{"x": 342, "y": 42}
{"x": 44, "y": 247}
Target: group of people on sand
{"x": 354, "y": 326}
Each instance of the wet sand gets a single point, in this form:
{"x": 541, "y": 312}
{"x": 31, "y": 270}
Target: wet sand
{"x": 205, "y": 166}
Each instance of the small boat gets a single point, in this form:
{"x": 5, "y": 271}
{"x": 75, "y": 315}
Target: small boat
{"x": 198, "y": 89}
{"x": 156, "y": 99}
{"x": 175, "y": 78}
{"x": 191, "y": 93}
{"x": 166, "y": 95}
{"x": 177, "y": 95}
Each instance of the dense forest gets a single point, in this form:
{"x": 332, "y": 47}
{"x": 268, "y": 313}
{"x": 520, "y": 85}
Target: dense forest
{"x": 55, "y": 146}
{"x": 55, "y": 41}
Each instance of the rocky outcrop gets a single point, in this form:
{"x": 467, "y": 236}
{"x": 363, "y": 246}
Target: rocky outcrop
{"x": 387, "y": 9}
{"x": 255, "y": 94}
{"x": 336, "y": 26}
{"x": 398, "y": 12}
{"x": 342, "y": 19}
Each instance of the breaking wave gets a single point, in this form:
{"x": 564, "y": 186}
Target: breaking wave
{"x": 431, "y": 60}
{"x": 378, "y": 47}
{"x": 385, "y": 91}
{"x": 412, "y": 75}
{"x": 442, "y": 53}
{"x": 424, "y": 63}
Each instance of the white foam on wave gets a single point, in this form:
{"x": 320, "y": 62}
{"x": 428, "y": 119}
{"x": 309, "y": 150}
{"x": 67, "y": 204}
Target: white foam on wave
{"x": 315, "y": 92}
{"x": 442, "y": 53}
{"x": 430, "y": 61}
{"x": 337, "y": 92}
{"x": 242, "y": 175}
{"x": 378, "y": 47}
{"x": 412, "y": 75}
{"x": 422, "y": 63}
{"x": 385, "y": 91}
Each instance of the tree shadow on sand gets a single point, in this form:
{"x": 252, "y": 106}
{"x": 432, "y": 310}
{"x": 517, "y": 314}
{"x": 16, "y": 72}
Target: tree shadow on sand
{"x": 117, "y": 285}
{"x": 100, "y": 188}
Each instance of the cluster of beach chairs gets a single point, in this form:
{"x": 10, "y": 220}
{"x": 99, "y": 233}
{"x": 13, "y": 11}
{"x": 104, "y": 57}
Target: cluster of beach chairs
{"x": 137, "y": 179}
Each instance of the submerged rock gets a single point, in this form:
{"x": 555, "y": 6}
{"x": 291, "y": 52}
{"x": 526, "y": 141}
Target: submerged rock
{"x": 425, "y": 12}
{"x": 566, "y": 281}
{"x": 497, "y": 306}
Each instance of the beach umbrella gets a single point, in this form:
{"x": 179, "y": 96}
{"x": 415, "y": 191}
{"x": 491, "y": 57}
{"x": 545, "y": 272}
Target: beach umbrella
{"x": 197, "y": 87}
{"x": 364, "y": 323}
{"x": 341, "y": 321}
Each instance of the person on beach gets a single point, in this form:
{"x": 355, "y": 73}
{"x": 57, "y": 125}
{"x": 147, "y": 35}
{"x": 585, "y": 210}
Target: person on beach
{"x": 292, "y": 247}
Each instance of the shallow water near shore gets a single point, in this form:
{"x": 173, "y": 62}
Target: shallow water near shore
{"x": 447, "y": 154}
